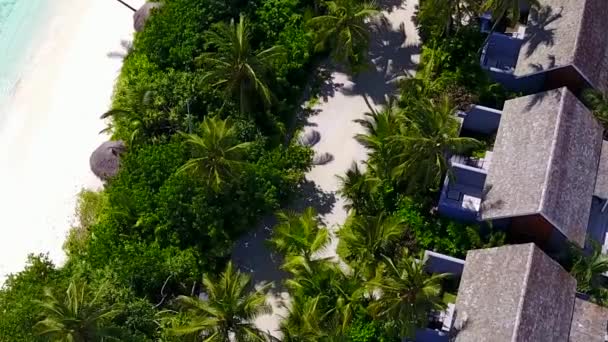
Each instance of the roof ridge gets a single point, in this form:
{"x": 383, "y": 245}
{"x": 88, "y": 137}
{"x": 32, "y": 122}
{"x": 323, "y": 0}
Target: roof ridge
{"x": 520, "y": 305}
{"x": 558, "y": 124}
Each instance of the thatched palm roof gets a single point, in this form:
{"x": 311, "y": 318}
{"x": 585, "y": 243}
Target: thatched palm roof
{"x": 514, "y": 293}
{"x": 105, "y": 160}
{"x": 142, "y": 14}
{"x": 545, "y": 162}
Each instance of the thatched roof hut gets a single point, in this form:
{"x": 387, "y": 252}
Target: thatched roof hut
{"x": 105, "y": 160}
{"x": 141, "y": 15}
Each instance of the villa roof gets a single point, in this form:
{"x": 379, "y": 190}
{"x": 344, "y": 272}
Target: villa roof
{"x": 514, "y": 293}
{"x": 601, "y": 183}
{"x": 567, "y": 32}
{"x": 545, "y": 162}
{"x": 589, "y": 322}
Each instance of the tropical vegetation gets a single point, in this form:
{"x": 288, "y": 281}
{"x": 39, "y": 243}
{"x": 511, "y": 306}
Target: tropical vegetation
{"x": 588, "y": 268}
{"x": 207, "y": 101}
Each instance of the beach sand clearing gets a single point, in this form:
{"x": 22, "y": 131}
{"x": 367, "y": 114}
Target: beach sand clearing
{"x": 394, "y": 52}
{"x": 51, "y": 125}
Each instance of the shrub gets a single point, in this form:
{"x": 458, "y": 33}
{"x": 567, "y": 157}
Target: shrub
{"x": 444, "y": 235}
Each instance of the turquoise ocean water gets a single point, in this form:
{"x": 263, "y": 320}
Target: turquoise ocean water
{"x": 21, "y": 22}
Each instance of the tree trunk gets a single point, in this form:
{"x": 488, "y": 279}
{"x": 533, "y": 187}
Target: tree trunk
{"x": 242, "y": 100}
{"x": 127, "y": 5}
{"x": 498, "y": 20}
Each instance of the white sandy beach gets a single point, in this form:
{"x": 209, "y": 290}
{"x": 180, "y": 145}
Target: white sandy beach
{"x": 51, "y": 126}
{"x": 394, "y": 52}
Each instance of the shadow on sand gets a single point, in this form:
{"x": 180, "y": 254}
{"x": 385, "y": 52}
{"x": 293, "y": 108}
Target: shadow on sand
{"x": 390, "y": 60}
{"x": 252, "y": 253}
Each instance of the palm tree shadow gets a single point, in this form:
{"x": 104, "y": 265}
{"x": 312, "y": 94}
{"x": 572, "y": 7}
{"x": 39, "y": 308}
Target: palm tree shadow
{"x": 390, "y": 59}
{"x": 539, "y": 97}
{"x": 489, "y": 205}
{"x": 310, "y": 195}
{"x": 251, "y": 252}
{"x": 326, "y": 86}
{"x": 538, "y": 32}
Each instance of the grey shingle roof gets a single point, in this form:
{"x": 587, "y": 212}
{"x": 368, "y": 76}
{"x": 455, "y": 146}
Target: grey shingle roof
{"x": 545, "y": 162}
{"x": 589, "y": 322}
{"x": 601, "y": 183}
{"x": 514, "y": 293}
{"x": 567, "y": 32}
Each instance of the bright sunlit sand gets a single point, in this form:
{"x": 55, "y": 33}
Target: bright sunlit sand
{"x": 394, "y": 52}
{"x": 50, "y": 122}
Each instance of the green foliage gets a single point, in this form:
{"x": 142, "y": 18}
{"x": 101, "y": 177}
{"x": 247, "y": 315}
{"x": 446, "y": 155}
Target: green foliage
{"x": 76, "y": 316}
{"x": 442, "y": 235}
{"x": 598, "y": 103}
{"x": 299, "y": 234}
{"x": 182, "y": 21}
{"x": 366, "y": 329}
{"x": 229, "y": 310}
{"x": 88, "y": 210}
{"x": 233, "y": 65}
{"x": 367, "y": 238}
{"x": 18, "y": 310}
{"x": 409, "y": 146}
{"x": 444, "y": 18}
{"x": 588, "y": 269}
{"x": 217, "y": 154}
{"x": 450, "y": 67}
{"x": 409, "y": 293}
{"x": 343, "y": 31}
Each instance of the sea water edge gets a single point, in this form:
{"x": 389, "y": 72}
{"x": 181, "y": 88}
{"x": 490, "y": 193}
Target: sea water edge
{"x": 22, "y": 24}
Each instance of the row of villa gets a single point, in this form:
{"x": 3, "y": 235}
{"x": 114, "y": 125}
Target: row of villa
{"x": 544, "y": 181}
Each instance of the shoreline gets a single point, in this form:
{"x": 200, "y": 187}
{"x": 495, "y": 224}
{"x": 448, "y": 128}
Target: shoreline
{"x": 52, "y": 125}
{"x": 19, "y": 38}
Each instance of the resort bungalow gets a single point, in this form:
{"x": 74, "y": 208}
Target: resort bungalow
{"x": 518, "y": 293}
{"x": 564, "y": 43}
{"x": 544, "y": 169}
{"x": 545, "y": 179}
{"x": 462, "y": 190}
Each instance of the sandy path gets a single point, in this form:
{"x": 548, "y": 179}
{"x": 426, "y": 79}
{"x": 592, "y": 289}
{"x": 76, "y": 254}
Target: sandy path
{"x": 394, "y": 51}
{"x": 52, "y": 124}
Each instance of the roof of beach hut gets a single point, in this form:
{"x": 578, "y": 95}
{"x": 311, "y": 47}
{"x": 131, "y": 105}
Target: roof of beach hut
{"x": 105, "y": 160}
{"x": 143, "y": 13}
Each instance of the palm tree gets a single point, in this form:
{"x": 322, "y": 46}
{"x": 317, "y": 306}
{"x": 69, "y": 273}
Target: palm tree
{"x": 304, "y": 320}
{"x": 407, "y": 293}
{"x": 137, "y": 119}
{"x": 429, "y": 81}
{"x": 344, "y": 30}
{"x": 310, "y": 277}
{"x": 229, "y": 311}
{"x": 367, "y": 238}
{"x": 299, "y": 234}
{"x": 217, "y": 153}
{"x": 359, "y": 190}
{"x": 337, "y": 294}
{"x": 431, "y": 136}
{"x": 77, "y": 317}
{"x": 447, "y": 15}
{"x": 234, "y": 65}
{"x": 589, "y": 270}
{"x": 501, "y": 9}
{"x": 380, "y": 127}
